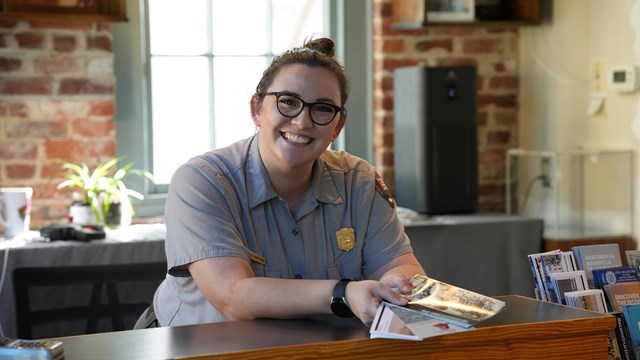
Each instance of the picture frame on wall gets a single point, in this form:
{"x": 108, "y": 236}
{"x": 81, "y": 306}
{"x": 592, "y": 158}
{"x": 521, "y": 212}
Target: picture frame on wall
{"x": 450, "y": 10}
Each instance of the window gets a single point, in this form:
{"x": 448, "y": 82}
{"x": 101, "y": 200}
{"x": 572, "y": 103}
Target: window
{"x": 206, "y": 57}
{"x": 186, "y": 71}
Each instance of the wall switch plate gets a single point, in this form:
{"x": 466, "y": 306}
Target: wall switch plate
{"x": 597, "y": 76}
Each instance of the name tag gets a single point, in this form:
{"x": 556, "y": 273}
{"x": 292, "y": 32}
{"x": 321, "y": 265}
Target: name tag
{"x": 258, "y": 258}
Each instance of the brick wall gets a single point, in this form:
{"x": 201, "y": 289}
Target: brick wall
{"x": 492, "y": 50}
{"x": 57, "y": 103}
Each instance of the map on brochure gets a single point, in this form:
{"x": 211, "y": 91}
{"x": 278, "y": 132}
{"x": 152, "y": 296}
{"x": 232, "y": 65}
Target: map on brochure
{"x": 455, "y": 305}
{"x": 395, "y": 322}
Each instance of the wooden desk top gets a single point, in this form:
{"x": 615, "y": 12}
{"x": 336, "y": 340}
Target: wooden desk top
{"x": 526, "y": 329}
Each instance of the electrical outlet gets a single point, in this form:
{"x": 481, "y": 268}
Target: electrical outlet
{"x": 545, "y": 172}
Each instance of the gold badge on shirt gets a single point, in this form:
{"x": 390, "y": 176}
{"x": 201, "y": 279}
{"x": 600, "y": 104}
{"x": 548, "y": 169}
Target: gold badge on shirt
{"x": 346, "y": 238}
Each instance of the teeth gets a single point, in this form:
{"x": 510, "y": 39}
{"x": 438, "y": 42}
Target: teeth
{"x": 297, "y": 139}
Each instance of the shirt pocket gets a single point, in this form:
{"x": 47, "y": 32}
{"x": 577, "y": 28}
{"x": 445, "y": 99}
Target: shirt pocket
{"x": 333, "y": 271}
{"x": 350, "y": 266}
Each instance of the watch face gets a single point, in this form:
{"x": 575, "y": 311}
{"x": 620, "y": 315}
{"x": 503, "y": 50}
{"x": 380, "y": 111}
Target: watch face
{"x": 341, "y": 309}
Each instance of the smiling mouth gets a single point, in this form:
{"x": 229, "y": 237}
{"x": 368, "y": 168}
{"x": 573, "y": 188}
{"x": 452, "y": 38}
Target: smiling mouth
{"x": 303, "y": 140}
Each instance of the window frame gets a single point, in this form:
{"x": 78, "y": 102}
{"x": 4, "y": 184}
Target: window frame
{"x": 133, "y": 110}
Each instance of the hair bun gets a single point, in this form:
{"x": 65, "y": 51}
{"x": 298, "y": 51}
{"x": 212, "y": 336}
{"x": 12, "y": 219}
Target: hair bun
{"x": 323, "y": 45}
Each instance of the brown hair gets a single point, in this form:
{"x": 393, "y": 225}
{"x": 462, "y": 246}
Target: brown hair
{"x": 315, "y": 53}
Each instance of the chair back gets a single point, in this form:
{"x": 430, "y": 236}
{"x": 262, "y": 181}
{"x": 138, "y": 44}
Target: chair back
{"x": 81, "y": 290}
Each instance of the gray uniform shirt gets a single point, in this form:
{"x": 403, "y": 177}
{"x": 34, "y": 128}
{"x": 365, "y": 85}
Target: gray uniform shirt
{"x": 222, "y": 204}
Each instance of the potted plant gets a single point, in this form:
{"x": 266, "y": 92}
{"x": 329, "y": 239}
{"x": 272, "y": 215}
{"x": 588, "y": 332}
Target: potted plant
{"x": 103, "y": 190}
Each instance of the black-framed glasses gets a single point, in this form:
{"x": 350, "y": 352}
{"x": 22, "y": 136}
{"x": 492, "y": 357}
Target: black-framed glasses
{"x": 291, "y": 106}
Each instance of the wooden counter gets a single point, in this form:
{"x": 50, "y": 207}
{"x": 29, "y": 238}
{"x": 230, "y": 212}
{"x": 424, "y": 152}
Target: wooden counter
{"x": 526, "y": 329}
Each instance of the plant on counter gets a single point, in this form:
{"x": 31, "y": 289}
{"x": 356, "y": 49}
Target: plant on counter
{"x": 103, "y": 188}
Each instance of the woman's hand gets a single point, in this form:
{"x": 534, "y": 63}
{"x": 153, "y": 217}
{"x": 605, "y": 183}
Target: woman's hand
{"x": 398, "y": 282}
{"x": 365, "y": 296}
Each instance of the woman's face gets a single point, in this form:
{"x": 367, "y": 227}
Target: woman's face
{"x": 293, "y": 142}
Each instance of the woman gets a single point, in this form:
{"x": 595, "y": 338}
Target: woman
{"x": 266, "y": 227}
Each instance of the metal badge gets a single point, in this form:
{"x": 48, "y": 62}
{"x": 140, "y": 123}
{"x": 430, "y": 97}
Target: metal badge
{"x": 346, "y": 238}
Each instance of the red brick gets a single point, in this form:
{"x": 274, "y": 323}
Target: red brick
{"x": 18, "y": 109}
{"x": 99, "y": 43}
{"x": 442, "y": 44}
{"x": 64, "y": 43}
{"x": 391, "y": 64}
{"x": 30, "y": 40}
{"x": 55, "y": 64}
{"x": 18, "y": 150}
{"x": 481, "y": 46}
{"x": 499, "y": 100}
{"x": 8, "y": 23}
{"x": 94, "y": 128}
{"x": 36, "y": 129}
{"x": 107, "y": 108}
{"x": 86, "y": 86}
{"x": 60, "y": 25}
{"x": 393, "y": 45}
{"x": 504, "y": 82}
{"x": 504, "y": 116}
{"x": 488, "y": 156}
{"x": 456, "y": 61}
{"x": 79, "y": 151}
{"x": 498, "y": 137}
{"x": 50, "y": 169}
{"x": 387, "y": 103}
{"x": 9, "y": 64}
{"x": 387, "y": 140}
{"x": 20, "y": 171}
{"x": 482, "y": 118}
{"x": 25, "y": 86}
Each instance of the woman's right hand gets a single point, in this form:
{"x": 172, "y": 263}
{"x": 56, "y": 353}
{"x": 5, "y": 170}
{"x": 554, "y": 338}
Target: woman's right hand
{"x": 364, "y": 297}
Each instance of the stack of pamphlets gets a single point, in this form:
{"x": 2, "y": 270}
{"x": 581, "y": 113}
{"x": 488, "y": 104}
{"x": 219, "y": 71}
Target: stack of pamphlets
{"x": 435, "y": 308}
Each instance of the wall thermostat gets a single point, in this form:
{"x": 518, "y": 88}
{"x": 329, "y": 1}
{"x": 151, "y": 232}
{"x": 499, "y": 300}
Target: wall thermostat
{"x": 624, "y": 78}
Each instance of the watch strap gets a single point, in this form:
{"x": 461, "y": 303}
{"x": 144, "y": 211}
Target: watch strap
{"x": 338, "y": 299}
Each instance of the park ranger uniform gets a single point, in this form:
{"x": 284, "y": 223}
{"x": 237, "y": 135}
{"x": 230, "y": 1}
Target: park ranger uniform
{"x": 222, "y": 204}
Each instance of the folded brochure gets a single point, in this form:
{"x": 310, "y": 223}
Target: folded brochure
{"x": 435, "y": 300}
{"x": 395, "y": 322}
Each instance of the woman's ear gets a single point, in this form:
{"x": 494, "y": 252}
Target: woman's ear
{"x": 341, "y": 122}
{"x": 256, "y": 108}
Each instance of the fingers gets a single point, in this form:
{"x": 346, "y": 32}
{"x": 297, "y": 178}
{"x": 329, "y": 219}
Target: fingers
{"x": 398, "y": 282}
{"x": 364, "y": 297}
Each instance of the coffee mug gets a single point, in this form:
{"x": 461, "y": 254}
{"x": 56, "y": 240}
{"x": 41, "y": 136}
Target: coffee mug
{"x": 15, "y": 210}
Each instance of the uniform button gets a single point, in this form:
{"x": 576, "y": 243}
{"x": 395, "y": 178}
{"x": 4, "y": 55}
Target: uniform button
{"x": 295, "y": 232}
{"x": 298, "y": 276}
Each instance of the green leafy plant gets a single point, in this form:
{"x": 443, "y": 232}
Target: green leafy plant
{"x": 103, "y": 186}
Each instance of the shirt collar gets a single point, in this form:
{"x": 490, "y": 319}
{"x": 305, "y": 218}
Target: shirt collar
{"x": 259, "y": 186}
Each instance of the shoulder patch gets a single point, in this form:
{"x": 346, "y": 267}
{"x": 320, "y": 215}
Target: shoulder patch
{"x": 382, "y": 189}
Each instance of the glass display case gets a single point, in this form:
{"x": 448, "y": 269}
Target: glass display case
{"x": 579, "y": 194}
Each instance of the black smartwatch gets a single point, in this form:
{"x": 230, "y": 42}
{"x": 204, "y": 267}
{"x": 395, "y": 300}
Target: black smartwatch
{"x": 338, "y": 302}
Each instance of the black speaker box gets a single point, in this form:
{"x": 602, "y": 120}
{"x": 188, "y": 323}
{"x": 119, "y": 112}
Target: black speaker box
{"x": 435, "y": 139}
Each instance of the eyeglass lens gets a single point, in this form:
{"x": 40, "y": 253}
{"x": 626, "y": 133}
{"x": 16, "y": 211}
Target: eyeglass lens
{"x": 291, "y": 106}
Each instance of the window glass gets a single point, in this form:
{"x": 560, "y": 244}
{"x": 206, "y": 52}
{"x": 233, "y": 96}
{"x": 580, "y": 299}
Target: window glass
{"x": 235, "y": 79}
{"x": 180, "y": 108}
{"x": 178, "y": 29}
{"x": 240, "y": 27}
{"x": 294, "y": 21}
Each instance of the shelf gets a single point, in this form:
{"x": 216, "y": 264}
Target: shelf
{"x": 412, "y": 14}
{"x": 79, "y": 10}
